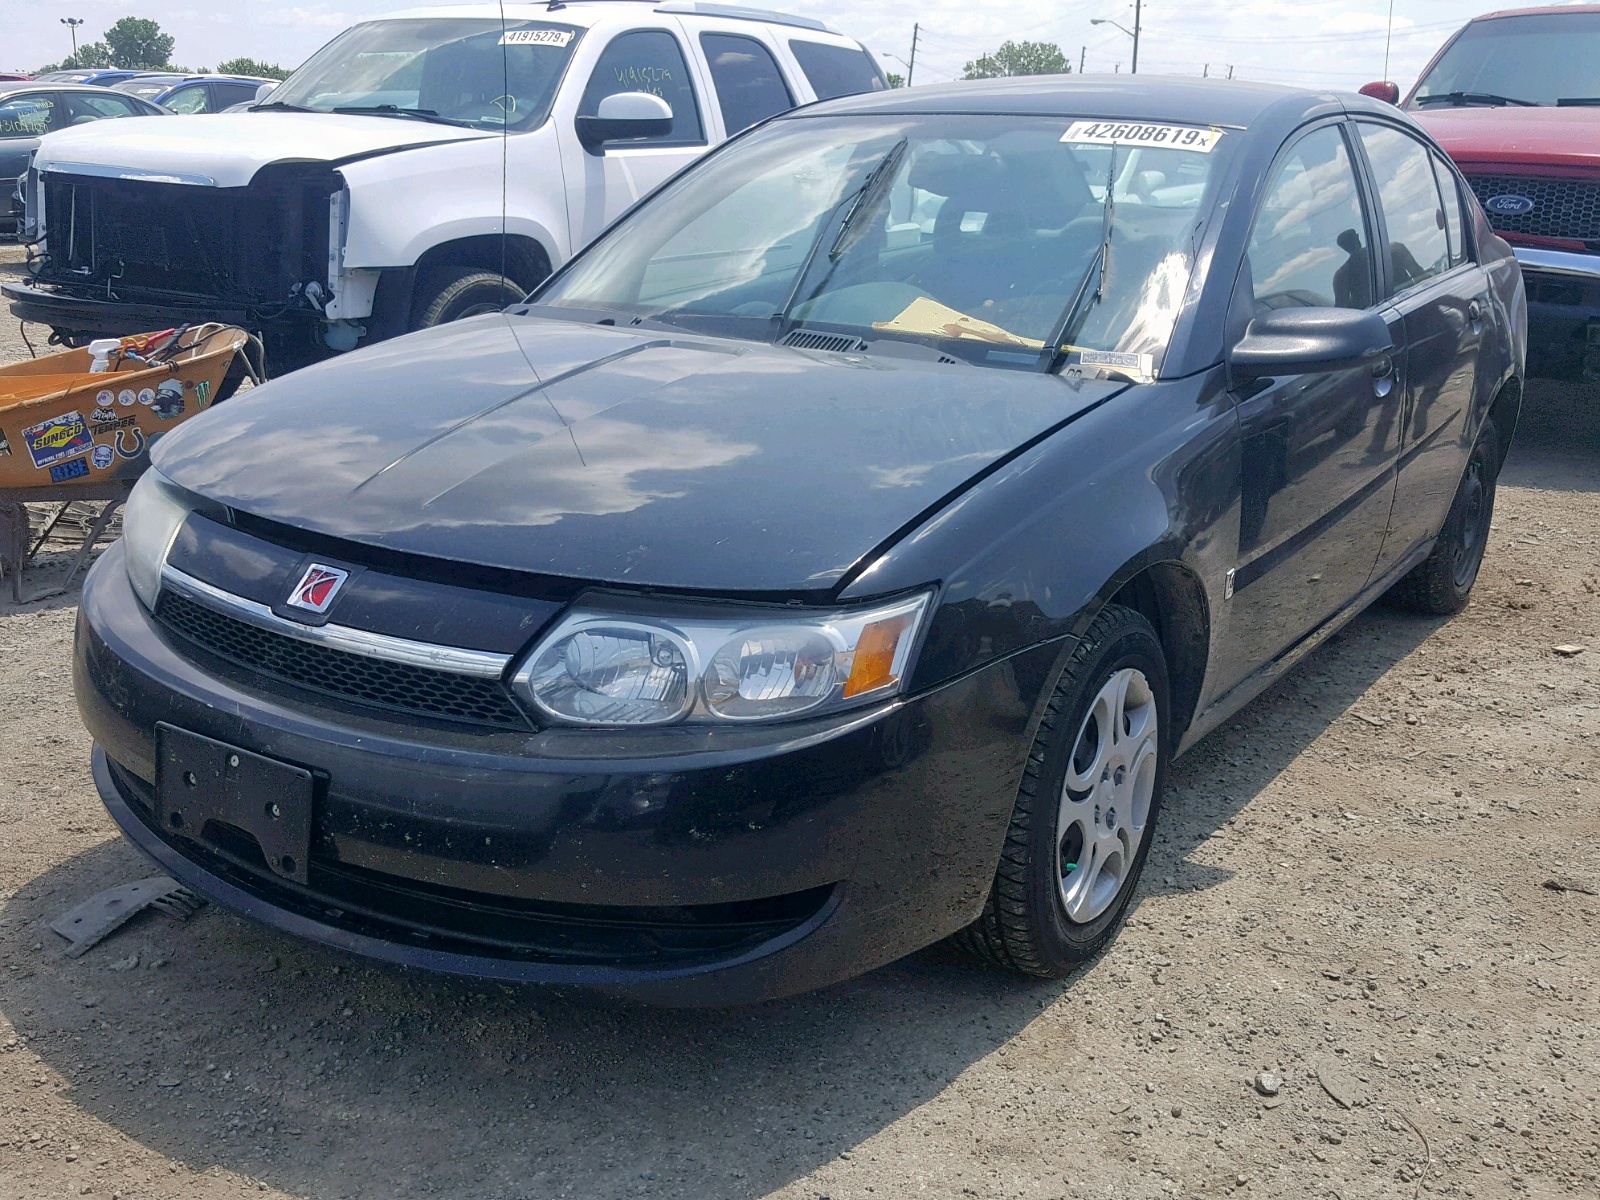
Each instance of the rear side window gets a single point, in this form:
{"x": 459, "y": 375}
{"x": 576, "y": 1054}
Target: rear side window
{"x": 234, "y": 93}
{"x": 837, "y": 70}
{"x": 750, "y": 87}
{"x": 648, "y": 60}
{"x": 192, "y": 99}
{"x": 1454, "y": 224}
{"x": 1412, "y": 209}
{"x": 1310, "y": 247}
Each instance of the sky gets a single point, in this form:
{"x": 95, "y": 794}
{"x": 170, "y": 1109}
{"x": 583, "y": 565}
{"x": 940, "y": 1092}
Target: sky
{"x": 1318, "y": 43}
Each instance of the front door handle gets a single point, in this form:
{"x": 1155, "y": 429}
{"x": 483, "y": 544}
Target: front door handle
{"x": 1383, "y": 376}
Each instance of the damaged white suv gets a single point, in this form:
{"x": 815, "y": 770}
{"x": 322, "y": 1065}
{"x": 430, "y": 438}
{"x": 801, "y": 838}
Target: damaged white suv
{"x": 419, "y": 168}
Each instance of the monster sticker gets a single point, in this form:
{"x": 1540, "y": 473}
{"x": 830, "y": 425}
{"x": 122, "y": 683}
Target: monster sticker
{"x": 57, "y": 438}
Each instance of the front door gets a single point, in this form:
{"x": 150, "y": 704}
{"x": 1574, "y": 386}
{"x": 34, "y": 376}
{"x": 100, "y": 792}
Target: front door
{"x": 1443, "y": 295}
{"x": 1317, "y": 451}
{"x": 602, "y": 184}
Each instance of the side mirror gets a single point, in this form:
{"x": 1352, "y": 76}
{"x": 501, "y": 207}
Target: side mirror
{"x": 1305, "y": 341}
{"x": 1387, "y": 92}
{"x": 625, "y": 115}
{"x": 263, "y": 92}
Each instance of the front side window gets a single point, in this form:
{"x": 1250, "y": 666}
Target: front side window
{"x": 837, "y": 70}
{"x": 1540, "y": 58}
{"x": 25, "y": 116}
{"x": 750, "y": 88}
{"x": 480, "y": 73}
{"x": 981, "y": 237}
{"x": 1413, "y": 213}
{"x": 1310, "y": 248}
{"x": 648, "y": 60}
{"x": 192, "y": 99}
{"x": 82, "y": 106}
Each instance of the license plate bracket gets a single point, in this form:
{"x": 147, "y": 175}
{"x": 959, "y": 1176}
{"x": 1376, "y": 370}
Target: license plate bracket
{"x": 200, "y": 780}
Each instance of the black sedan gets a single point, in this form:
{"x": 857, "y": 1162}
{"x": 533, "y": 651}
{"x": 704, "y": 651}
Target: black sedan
{"x": 830, "y": 559}
{"x": 30, "y": 110}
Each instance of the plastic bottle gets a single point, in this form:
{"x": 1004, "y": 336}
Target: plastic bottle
{"x": 100, "y": 354}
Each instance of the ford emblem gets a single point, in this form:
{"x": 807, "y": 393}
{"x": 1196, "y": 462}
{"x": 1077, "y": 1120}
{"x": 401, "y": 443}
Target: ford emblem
{"x": 1509, "y": 206}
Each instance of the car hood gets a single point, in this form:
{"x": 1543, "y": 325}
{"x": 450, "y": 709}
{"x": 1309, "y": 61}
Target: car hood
{"x": 227, "y": 149}
{"x": 1513, "y": 136}
{"x": 587, "y": 452}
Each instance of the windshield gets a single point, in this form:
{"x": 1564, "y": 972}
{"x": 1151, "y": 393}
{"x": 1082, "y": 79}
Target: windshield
{"x": 147, "y": 89}
{"x": 469, "y": 72}
{"x": 1541, "y": 59}
{"x": 986, "y": 238}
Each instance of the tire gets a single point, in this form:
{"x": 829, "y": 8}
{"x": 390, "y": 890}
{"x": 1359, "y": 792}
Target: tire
{"x": 1442, "y": 582}
{"x": 453, "y": 293}
{"x": 1046, "y": 918}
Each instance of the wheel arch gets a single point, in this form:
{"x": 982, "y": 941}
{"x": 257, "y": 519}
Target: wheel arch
{"x": 521, "y": 258}
{"x": 1504, "y": 410}
{"x": 1169, "y": 595}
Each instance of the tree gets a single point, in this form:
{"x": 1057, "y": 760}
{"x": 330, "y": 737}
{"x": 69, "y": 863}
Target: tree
{"x": 251, "y": 66}
{"x": 1020, "y": 58}
{"x": 137, "y": 44}
{"x": 89, "y": 56}
{"x": 896, "y": 80}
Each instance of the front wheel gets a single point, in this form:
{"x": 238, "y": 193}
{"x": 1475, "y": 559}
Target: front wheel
{"x": 1442, "y": 582}
{"x": 1086, "y": 810}
{"x": 455, "y": 293}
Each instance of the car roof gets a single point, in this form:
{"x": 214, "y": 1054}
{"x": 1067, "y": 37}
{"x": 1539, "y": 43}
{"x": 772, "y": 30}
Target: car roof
{"x": 1183, "y": 100}
{"x": 593, "y": 12}
{"x": 1546, "y": 10}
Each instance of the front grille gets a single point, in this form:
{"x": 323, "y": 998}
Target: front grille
{"x": 395, "y": 687}
{"x": 1562, "y": 208}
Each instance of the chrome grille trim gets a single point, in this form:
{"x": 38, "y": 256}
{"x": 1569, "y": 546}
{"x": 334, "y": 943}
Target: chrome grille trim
{"x": 479, "y": 663}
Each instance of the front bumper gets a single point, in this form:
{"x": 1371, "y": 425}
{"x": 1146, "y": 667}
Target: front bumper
{"x": 691, "y": 870}
{"x": 93, "y": 317}
{"x": 1563, "y": 312}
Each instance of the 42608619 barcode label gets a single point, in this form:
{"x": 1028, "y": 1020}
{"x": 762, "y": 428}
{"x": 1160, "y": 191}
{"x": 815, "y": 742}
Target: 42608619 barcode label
{"x": 1137, "y": 133}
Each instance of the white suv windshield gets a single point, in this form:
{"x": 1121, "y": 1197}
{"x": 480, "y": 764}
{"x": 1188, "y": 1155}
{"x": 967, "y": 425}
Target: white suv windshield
{"x": 986, "y": 238}
{"x": 1545, "y": 58}
{"x": 479, "y": 73}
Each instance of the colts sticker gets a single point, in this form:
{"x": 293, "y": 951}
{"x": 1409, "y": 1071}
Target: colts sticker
{"x": 76, "y": 469}
{"x": 58, "y": 438}
{"x": 130, "y": 442}
{"x": 103, "y": 456}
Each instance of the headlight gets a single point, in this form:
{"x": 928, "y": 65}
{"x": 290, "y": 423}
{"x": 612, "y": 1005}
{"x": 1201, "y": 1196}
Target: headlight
{"x": 637, "y": 663}
{"x": 155, "y": 511}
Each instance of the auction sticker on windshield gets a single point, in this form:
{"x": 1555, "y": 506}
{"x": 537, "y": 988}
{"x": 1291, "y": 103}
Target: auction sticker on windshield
{"x": 1134, "y": 133}
{"x": 536, "y": 37}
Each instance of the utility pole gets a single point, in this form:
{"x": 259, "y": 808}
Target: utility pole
{"x": 1205, "y": 71}
{"x": 911, "y": 67}
{"x": 1082, "y": 54}
{"x": 1230, "y": 70}
{"x": 1138, "y": 13}
{"x": 72, "y": 24}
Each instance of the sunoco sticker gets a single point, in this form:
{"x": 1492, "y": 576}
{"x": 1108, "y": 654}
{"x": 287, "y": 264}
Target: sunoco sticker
{"x": 59, "y": 437}
{"x": 536, "y": 37}
{"x": 1136, "y": 133}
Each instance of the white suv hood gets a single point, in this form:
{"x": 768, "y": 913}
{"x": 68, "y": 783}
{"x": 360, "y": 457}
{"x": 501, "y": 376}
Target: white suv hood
{"x": 227, "y": 149}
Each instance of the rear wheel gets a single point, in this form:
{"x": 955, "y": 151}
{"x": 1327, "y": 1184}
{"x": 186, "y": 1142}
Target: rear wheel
{"x": 1442, "y": 582}
{"x": 1087, "y": 807}
{"x": 454, "y": 293}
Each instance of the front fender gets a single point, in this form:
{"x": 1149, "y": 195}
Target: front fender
{"x": 1032, "y": 552}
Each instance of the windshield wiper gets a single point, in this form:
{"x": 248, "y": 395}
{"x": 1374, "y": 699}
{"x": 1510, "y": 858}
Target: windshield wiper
{"x": 1082, "y": 297}
{"x": 1474, "y": 98}
{"x": 394, "y": 110}
{"x": 1578, "y": 102}
{"x": 876, "y": 183}
{"x": 282, "y": 106}
{"x": 780, "y": 318}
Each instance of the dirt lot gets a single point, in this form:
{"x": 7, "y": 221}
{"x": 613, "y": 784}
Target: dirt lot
{"x": 1377, "y": 884}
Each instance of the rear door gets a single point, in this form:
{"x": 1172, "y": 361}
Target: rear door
{"x": 25, "y": 117}
{"x": 745, "y": 77}
{"x": 1317, "y": 451}
{"x": 1442, "y": 294}
{"x": 603, "y": 183}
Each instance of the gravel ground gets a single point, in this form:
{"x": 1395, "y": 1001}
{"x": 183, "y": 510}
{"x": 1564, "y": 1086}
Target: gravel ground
{"x": 1362, "y": 964}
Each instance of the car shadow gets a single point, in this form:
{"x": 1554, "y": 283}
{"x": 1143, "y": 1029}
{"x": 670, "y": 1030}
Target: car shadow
{"x": 1557, "y": 443}
{"x": 220, "y": 1042}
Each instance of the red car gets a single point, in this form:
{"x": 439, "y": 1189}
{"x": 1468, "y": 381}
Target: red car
{"x": 1513, "y": 98}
